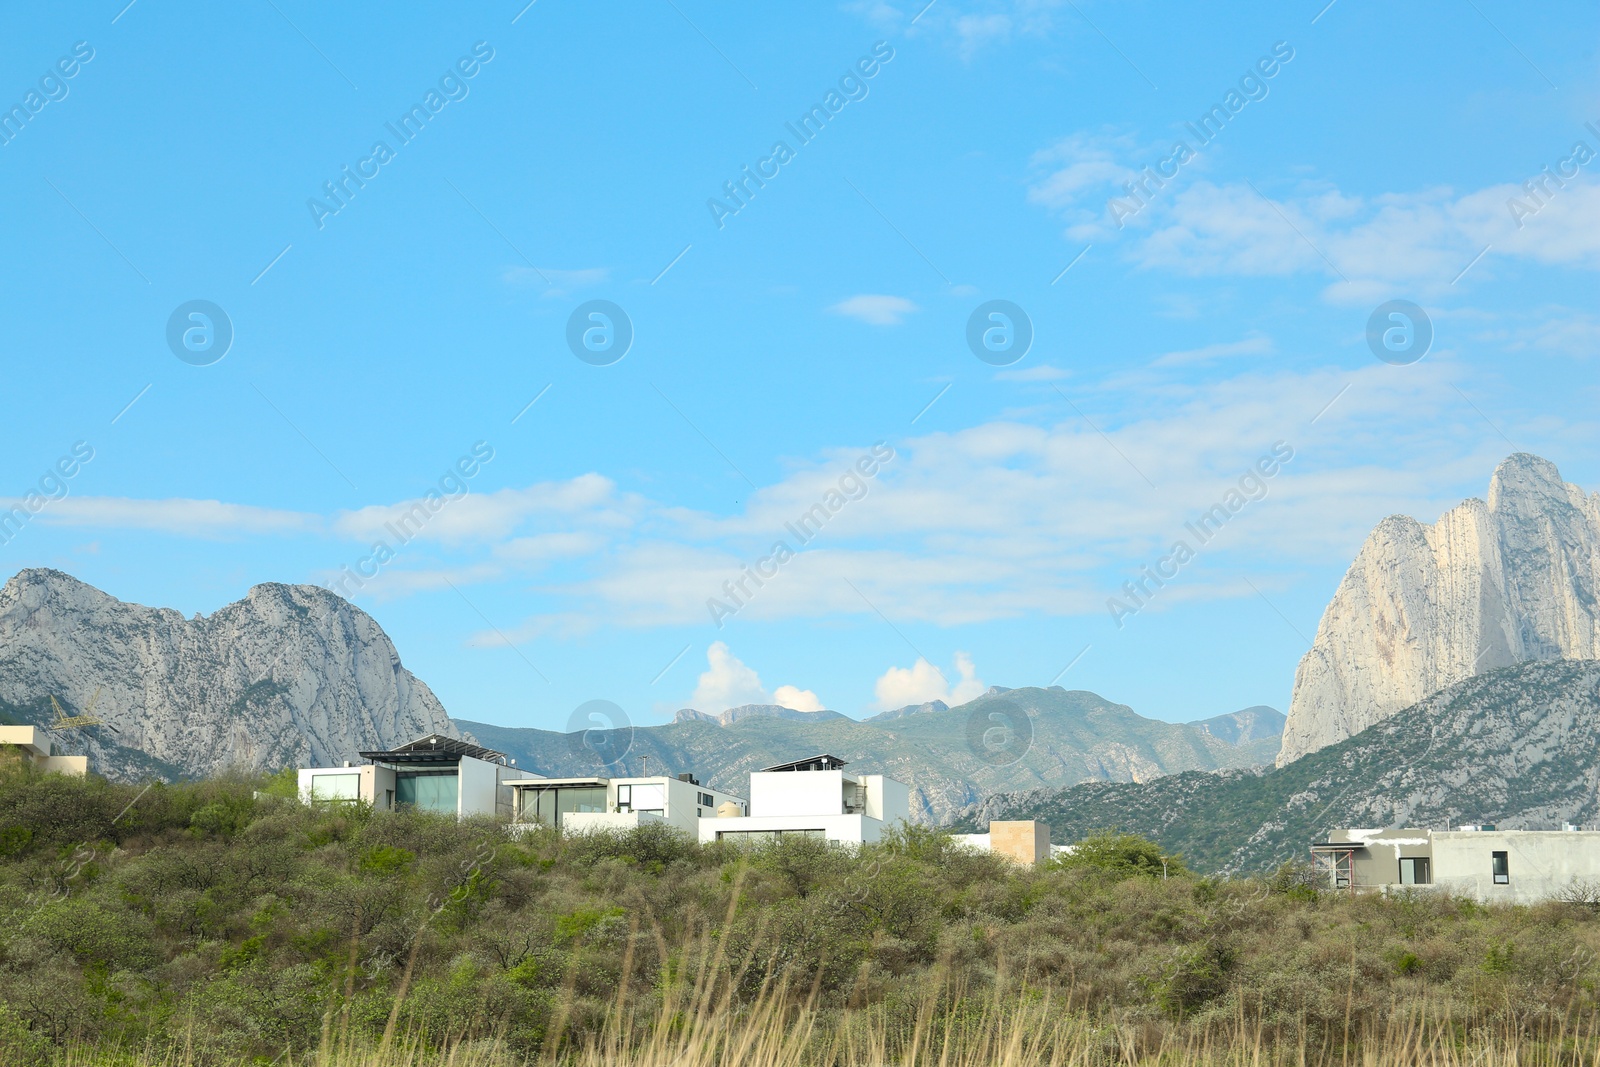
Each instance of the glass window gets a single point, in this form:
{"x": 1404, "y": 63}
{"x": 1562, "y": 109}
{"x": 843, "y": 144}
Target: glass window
{"x": 625, "y": 798}
{"x": 1500, "y": 864}
{"x": 427, "y": 791}
{"x": 1413, "y": 870}
{"x": 336, "y": 786}
{"x": 547, "y": 806}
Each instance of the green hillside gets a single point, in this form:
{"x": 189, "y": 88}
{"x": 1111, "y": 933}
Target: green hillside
{"x": 1516, "y": 747}
{"x": 952, "y": 759}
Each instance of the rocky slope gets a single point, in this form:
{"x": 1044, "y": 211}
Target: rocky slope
{"x": 950, "y": 757}
{"x": 290, "y": 675}
{"x": 1490, "y": 584}
{"x": 1516, "y": 747}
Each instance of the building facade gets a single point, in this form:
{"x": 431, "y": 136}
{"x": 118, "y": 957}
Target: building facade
{"x": 814, "y": 797}
{"x": 1482, "y": 862}
{"x": 433, "y": 773}
{"x": 586, "y": 804}
{"x": 1022, "y": 841}
{"x": 35, "y": 746}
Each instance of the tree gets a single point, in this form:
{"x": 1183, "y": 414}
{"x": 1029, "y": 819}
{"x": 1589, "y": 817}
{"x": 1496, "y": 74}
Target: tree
{"x": 1127, "y": 855}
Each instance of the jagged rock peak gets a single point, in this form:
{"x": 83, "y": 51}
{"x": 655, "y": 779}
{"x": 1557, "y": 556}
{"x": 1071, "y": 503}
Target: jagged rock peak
{"x": 1490, "y": 584}
{"x": 289, "y": 675}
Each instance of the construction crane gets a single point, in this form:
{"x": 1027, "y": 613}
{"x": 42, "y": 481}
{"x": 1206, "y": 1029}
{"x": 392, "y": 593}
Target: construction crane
{"x": 64, "y": 722}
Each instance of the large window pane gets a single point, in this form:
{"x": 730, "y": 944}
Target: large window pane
{"x": 428, "y": 792}
{"x": 336, "y": 786}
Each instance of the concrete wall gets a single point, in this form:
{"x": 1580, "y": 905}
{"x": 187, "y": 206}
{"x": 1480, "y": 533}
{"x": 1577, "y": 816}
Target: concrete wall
{"x": 1026, "y": 842}
{"x": 1540, "y": 864}
{"x": 587, "y": 822}
{"x": 798, "y": 792}
{"x": 888, "y": 801}
{"x": 479, "y": 792}
{"x": 851, "y": 829}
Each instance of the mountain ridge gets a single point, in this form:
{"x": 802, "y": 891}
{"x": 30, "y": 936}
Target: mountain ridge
{"x": 1514, "y": 747}
{"x": 939, "y": 754}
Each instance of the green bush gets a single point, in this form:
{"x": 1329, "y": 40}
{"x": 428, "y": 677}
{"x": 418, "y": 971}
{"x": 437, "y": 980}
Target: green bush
{"x": 1126, "y": 855}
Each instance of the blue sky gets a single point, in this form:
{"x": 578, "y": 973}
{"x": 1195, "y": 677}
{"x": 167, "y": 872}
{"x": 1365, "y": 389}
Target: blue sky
{"x": 1178, "y": 337}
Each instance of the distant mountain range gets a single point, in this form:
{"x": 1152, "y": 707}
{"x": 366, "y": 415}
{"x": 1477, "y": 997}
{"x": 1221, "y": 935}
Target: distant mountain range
{"x": 293, "y": 675}
{"x": 1516, "y": 747}
{"x": 950, "y": 757}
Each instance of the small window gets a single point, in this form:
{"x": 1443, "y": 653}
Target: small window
{"x": 1499, "y": 863}
{"x": 624, "y": 798}
{"x": 1413, "y": 870}
{"x": 707, "y": 800}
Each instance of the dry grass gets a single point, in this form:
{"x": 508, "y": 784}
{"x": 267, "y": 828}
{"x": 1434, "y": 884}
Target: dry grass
{"x": 702, "y": 1020}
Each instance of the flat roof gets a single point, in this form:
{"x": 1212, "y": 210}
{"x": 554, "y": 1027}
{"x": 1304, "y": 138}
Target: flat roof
{"x": 823, "y": 762}
{"x": 435, "y": 748}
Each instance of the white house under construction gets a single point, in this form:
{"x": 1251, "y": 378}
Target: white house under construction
{"x": 1513, "y": 866}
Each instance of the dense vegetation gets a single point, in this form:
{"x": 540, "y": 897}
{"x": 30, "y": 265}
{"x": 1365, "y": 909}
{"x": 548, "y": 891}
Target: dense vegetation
{"x": 228, "y": 920}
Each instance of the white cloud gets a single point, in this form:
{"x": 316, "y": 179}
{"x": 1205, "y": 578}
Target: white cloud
{"x": 1365, "y": 246}
{"x": 1254, "y": 345}
{"x": 555, "y": 282}
{"x": 875, "y": 309}
{"x": 1043, "y": 372}
{"x": 797, "y": 699}
{"x": 727, "y": 683}
{"x": 192, "y": 518}
{"x": 479, "y": 516}
{"x": 922, "y": 682}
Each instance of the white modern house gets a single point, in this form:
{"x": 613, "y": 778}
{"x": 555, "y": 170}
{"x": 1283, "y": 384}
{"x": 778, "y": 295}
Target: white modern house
{"x": 432, "y": 773}
{"x": 35, "y": 746}
{"x": 814, "y": 797}
{"x": 585, "y": 804}
{"x": 1482, "y": 862}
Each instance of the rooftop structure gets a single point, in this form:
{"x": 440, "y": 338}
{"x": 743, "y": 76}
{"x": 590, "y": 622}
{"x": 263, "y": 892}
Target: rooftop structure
{"x": 814, "y": 797}
{"x": 823, "y": 762}
{"x": 432, "y": 773}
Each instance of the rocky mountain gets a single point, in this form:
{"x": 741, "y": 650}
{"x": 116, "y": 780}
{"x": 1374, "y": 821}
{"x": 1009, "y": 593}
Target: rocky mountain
{"x": 1249, "y": 724}
{"x": 909, "y": 709}
{"x": 756, "y": 711}
{"x": 950, "y": 757}
{"x": 290, "y": 675}
{"x": 1516, "y": 747}
{"x": 1491, "y": 584}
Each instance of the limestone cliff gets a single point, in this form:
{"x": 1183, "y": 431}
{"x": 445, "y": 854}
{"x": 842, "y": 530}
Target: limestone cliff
{"x": 290, "y": 675}
{"x": 1423, "y": 607}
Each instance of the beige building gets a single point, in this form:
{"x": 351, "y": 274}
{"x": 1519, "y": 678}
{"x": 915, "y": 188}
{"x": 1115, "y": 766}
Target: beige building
{"x": 1025, "y": 841}
{"x": 34, "y": 745}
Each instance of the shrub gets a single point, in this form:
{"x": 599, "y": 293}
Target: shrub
{"x": 1126, "y": 855}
